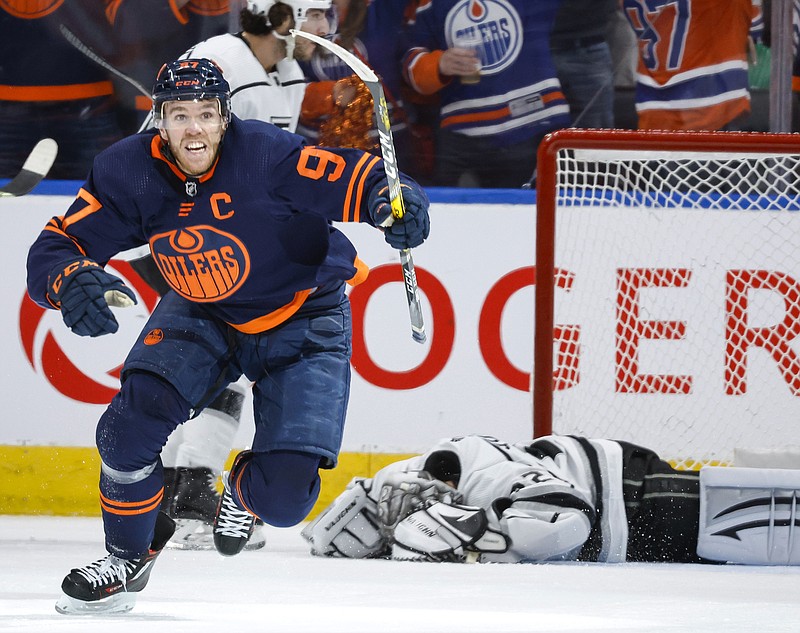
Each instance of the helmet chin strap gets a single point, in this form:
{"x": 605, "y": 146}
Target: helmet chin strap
{"x": 289, "y": 41}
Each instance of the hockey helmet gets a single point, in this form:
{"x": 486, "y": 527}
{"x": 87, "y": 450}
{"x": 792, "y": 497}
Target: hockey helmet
{"x": 191, "y": 80}
{"x": 300, "y": 9}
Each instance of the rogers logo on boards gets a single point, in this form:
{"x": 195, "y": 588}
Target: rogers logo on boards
{"x": 69, "y": 376}
{"x": 629, "y": 333}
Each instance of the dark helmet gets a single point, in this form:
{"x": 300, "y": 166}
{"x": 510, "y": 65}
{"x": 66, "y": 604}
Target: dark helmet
{"x": 191, "y": 80}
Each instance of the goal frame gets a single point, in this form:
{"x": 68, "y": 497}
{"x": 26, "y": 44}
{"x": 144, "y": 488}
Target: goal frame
{"x": 546, "y": 199}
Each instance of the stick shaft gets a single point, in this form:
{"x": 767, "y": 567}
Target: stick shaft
{"x": 389, "y": 156}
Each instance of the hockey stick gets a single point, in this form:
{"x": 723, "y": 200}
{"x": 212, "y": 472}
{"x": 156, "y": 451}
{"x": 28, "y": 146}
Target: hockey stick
{"x": 77, "y": 43}
{"x": 35, "y": 168}
{"x": 372, "y": 82}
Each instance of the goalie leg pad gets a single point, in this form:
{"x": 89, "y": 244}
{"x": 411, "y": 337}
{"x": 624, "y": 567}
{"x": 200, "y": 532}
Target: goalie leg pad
{"x": 348, "y": 527}
{"x": 750, "y": 515}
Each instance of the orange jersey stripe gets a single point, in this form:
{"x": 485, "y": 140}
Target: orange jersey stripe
{"x": 362, "y": 271}
{"x": 474, "y": 117}
{"x": 360, "y": 188}
{"x": 350, "y": 187}
{"x": 56, "y": 93}
{"x": 274, "y": 318}
{"x": 55, "y": 227}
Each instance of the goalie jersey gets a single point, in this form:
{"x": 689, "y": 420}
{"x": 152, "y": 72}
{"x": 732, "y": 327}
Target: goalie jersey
{"x": 557, "y": 498}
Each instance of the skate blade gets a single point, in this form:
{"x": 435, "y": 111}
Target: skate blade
{"x": 191, "y": 534}
{"x": 197, "y": 536}
{"x": 118, "y": 603}
{"x": 257, "y": 540}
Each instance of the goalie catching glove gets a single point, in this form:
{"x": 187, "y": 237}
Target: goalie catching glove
{"x": 410, "y": 230}
{"x": 405, "y": 492}
{"x": 446, "y": 533}
{"x": 83, "y": 291}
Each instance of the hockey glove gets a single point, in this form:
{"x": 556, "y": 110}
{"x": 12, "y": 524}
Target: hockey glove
{"x": 404, "y": 493}
{"x": 446, "y": 533}
{"x": 83, "y": 291}
{"x": 348, "y": 527}
{"x": 410, "y": 230}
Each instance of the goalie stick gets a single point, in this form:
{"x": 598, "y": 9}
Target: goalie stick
{"x": 35, "y": 168}
{"x": 368, "y": 76}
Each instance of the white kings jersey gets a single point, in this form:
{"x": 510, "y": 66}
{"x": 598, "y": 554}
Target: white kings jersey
{"x": 551, "y": 496}
{"x": 274, "y": 96}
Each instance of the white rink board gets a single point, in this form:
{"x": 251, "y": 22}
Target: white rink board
{"x": 471, "y": 248}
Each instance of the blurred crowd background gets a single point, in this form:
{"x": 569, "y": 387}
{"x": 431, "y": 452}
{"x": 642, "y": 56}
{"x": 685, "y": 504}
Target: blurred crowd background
{"x": 545, "y": 64}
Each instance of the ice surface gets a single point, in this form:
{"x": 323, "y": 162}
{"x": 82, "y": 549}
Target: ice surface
{"x": 283, "y": 588}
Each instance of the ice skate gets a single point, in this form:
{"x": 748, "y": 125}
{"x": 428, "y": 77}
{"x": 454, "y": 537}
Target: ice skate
{"x": 110, "y": 585}
{"x": 233, "y": 526}
{"x": 193, "y": 505}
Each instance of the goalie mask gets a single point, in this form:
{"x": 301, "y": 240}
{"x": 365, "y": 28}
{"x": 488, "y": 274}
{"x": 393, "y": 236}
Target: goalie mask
{"x": 190, "y": 80}
{"x": 314, "y": 16}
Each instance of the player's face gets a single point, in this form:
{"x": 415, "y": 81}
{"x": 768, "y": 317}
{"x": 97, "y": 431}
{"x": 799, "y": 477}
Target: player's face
{"x": 317, "y": 23}
{"x": 193, "y": 130}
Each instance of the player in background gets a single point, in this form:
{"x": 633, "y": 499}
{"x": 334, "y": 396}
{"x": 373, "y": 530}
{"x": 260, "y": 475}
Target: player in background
{"x": 267, "y": 85}
{"x": 507, "y": 110}
{"x": 559, "y": 498}
{"x": 692, "y": 70}
{"x": 242, "y": 232}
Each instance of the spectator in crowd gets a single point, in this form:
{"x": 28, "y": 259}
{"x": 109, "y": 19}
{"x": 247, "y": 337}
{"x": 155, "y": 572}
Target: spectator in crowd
{"x": 50, "y": 89}
{"x": 148, "y": 33}
{"x": 491, "y": 65}
{"x": 267, "y": 86}
{"x": 582, "y": 57}
{"x": 625, "y": 56}
{"x": 337, "y": 109}
{"x": 692, "y": 72}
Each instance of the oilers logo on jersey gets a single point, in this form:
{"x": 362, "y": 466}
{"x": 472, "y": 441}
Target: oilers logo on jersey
{"x": 495, "y": 22}
{"x": 201, "y": 263}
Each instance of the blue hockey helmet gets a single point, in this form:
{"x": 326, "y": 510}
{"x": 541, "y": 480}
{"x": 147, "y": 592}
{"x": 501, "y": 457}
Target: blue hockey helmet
{"x": 191, "y": 80}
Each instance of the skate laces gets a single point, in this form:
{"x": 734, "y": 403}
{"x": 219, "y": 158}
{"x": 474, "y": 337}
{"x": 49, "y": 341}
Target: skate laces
{"x": 233, "y": 521}
{"x": 106, "y": 570}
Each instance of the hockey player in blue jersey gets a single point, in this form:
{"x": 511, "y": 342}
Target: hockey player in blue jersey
{"x": 238, "y": 217}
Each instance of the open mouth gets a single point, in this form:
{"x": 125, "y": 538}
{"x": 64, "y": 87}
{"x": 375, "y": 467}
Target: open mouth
{"x": 195, "y": 147}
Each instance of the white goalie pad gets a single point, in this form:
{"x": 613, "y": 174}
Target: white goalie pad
{"x": 446, "y": 533}
{"x": 348, "y": 527}
{"x": 750, "y": 515}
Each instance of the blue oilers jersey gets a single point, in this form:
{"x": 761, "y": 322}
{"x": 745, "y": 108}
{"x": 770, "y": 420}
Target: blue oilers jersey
{"x": 519, "y": 96}
{"x": 251, "y": 239}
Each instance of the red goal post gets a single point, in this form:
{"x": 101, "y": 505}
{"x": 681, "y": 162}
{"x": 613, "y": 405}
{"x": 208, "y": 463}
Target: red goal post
{"x": 667, "y": 299}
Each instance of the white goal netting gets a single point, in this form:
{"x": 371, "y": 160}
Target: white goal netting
{"x": 676, "y": 301}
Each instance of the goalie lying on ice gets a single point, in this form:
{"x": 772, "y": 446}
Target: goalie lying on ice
{"x": 561, "y": 498}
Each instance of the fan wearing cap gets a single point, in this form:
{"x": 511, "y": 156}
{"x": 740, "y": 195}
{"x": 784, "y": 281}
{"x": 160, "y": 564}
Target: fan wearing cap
{"x": 239, "y": 216}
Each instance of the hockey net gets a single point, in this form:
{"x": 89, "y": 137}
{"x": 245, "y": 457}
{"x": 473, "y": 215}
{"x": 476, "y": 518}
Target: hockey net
{"x": 668, "y": 290}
